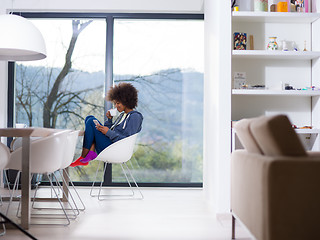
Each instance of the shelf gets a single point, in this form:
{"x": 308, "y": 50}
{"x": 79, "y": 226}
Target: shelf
{"x": 275, "y": 17}
{"x": 298, "y": 93}
{"x": 308, "y": 131}
{"x": 268, "y": 54}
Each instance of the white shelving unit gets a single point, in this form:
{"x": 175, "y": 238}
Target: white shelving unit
{"x": 300, "y": 69}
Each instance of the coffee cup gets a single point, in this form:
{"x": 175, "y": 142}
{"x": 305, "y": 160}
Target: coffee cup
{"x": 21, "y": 125}
{"x": 113, "y": 112}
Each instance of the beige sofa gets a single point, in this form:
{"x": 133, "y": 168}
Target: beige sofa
{"x": 275, "y": 183}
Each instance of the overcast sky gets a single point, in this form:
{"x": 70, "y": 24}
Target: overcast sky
{"x": 140, "y": 46}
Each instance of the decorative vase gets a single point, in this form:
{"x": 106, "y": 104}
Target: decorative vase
{"x": 272, "y": 5}
{"x": 245, "y": 5}
{"x": 282, "y": 6}
{"x": 272, "y": 45}
{"x": 285, "y": 46}
{"x": 261, "y": 5}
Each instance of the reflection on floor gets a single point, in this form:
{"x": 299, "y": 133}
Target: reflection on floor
{"x": 164, "y": 214}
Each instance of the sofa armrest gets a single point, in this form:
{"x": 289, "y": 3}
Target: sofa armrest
{"x": 313, "y": 154}
{"x": 248, "y": 194}
{"x": 276, "y": 197}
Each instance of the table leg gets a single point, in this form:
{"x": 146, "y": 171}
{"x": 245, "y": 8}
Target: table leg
{"x": 25, "y": 183}
{"x": 65, "y": 187}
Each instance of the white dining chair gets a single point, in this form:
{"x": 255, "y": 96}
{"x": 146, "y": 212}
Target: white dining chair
{"x": 68, "y": 155}
{"x": 17, "y": 143}
{"x": 67, "y": 160}
{"x": 5, "y": 154}
{"x": 4, "y": 159}
{"x": 69, "y": 151}
{"x": 46, "y": 158}
{"x": 119, "y": 152}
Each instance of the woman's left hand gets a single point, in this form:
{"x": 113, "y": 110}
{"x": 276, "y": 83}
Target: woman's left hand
{"x": 102, "y": 129}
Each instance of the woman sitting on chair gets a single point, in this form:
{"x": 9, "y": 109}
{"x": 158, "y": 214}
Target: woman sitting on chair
{"x": 98, "y": 137}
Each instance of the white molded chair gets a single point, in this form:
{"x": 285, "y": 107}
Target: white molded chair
{"x": 67, "y": 160}
{"x": 5, "y": 155}
{"x": 119, "y": 152}
{"x": 46, "y": 157}
{"x": 68, "y": 155}
{"x": 17, "y": 143}
{"x": 4, "y": 159}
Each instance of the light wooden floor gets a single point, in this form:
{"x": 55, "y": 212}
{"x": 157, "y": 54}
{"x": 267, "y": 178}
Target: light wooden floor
{"x": 164, "y": 214}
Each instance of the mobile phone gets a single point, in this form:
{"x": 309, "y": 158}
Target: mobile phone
{"x": 96, "y": 122}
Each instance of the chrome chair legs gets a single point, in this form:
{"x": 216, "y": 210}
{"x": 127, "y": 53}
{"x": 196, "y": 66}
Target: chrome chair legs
{"x": 56, "y": 195}
{"x": 111, "y": 196}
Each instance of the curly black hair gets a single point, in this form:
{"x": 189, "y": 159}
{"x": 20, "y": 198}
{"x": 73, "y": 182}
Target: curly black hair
{"x": 125, "y": 93}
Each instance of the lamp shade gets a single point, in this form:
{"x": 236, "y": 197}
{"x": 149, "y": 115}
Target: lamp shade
{"x": 20, "y": 40}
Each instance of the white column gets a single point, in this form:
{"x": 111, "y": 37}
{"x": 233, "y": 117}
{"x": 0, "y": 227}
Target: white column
{"x": 315, "y": 72}
{"x": 3, "y": 85}
{"x": 217, "y": 104}
{"x": 3, "y": 93}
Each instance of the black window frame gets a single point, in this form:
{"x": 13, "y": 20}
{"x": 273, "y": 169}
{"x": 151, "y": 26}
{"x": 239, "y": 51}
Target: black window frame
{"x": 110, "y": 17}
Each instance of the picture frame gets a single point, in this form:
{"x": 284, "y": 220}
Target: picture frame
{"x": 239, "y": 41}
{"x": 301, "y": 5}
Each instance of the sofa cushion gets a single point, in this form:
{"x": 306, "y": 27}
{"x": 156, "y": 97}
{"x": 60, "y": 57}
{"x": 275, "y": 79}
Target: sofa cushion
{"x": 245, "y": 136}
{"x": 276, "y": 137}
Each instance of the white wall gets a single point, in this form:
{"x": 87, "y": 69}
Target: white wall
{"x": 316, "y": 72}
{"x": 3, "y": 93}
{"x": 217, "y": 104}
{"x": 3, "y": 88}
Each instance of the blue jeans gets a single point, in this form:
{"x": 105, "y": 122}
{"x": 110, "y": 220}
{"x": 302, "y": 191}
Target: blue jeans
{"x": 92, "y": 135}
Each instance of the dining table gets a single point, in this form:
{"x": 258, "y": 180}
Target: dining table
{"x": 26, "y": 134}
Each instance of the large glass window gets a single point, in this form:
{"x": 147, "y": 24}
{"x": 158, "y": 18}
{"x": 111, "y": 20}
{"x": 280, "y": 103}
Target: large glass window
{"x": 162, "y": 58}
{"x": 61, "y": 90}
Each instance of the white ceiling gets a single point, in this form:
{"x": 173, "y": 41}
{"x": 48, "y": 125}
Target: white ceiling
{"x": 150, "y": 6}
